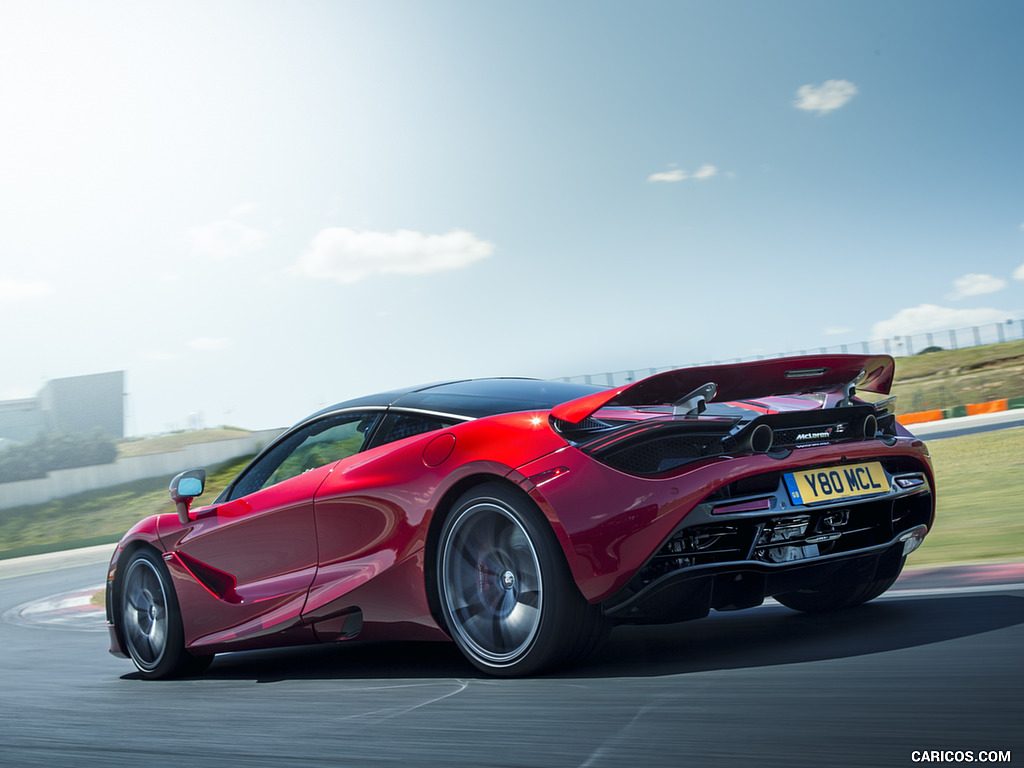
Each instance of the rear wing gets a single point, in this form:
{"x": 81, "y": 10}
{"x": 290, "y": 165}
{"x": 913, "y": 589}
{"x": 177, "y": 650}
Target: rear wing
{"x": 743, "y": 381}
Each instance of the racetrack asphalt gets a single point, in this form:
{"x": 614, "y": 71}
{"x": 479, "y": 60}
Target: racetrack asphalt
{"x": 932, "y": 665}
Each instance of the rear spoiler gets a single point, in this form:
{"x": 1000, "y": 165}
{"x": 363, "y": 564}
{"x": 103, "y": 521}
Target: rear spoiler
{"x": 743, "y": 381}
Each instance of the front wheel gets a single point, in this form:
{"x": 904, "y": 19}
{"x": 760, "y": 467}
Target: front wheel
{"x": 151, "y": 622}
{"x": 506, "y": 593}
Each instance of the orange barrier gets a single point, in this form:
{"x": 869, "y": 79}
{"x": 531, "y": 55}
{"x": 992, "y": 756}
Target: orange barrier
{"x": 993, "y": 406}
{"x": 921, "y": 416}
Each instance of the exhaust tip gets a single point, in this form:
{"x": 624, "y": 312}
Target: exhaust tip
{"x": 761, "y": 439}
{"x": 869, "y": 427}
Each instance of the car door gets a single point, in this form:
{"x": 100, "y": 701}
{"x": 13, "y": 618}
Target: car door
{"x": 362, "y": 513}
{"x": 256, "y": 550}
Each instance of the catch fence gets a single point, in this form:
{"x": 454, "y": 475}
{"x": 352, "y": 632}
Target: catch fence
{"x": 898, "y": 346}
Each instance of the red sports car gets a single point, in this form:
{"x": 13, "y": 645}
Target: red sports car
{"x": 523, "y": 518}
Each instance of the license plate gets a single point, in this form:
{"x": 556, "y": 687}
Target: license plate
{"x": 813, "y": 486}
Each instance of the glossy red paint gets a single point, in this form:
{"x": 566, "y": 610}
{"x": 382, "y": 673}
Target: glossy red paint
{"x": 438, "y": 450}
{"x": 374, "y": 509}
{"x": 295, "y": 551}
{"x": 613, "y": 521}
{"x": 265, "y": 542}
{"x": 145, "y": 531}
{"x": 213, "y": 624}
{"x": 347, "y": 549}
{"x": 394, "y": 605}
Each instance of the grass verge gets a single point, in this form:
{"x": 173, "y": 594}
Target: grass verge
{"x": 95, "y": 517}
{"x": 980, "y": 499}
{"x": 956, "y": 377}
{"x": 176, "y": 442}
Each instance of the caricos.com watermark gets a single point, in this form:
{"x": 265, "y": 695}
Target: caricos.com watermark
{"x": 960, "y": 756}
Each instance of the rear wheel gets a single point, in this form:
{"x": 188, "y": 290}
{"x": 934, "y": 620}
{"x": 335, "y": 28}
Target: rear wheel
{"x": 506, "y": 593}
{"x": 151, "y": 622}
{"x": 838, "y": 594}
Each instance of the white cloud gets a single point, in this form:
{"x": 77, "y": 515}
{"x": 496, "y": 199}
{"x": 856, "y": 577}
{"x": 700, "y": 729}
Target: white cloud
{"x": 706, "y": 171}
{"x": 226, "y": 239}
{"x": 976, "y": 285}
{"x": 157, "y": 356}
{"x": 347, "y": 255}
{"x": 1018, "y": 273}
{"x": 208, "y": 344}
{"x": 929, "y": 318}
{"x": 242, "y": 209}
{"x": 677, "y": 174}
{"x": 18, "y": 290}
{"x": 836, "y": 330}
{"x": 830, "y": 95}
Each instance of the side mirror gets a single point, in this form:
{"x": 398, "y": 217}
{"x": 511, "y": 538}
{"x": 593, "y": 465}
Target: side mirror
{"x": 184, "y": 488}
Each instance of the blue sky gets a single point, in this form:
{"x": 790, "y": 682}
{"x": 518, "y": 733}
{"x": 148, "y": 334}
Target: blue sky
{"x": 259, "y": 208}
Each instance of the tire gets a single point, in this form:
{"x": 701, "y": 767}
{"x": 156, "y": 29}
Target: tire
{"x": 506, "y": 593}
{"x": 838, "y": 595}
{"x": 151, "y": 621}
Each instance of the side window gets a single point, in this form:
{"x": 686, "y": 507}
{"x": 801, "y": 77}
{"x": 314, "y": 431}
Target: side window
{"x": 322, "y": 442}
{"x": 401, "y": 425}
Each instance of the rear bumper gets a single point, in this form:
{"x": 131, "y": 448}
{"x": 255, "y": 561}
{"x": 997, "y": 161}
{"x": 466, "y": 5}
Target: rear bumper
{"x": 691, "y": 593}
{"x": 622, "y": 533}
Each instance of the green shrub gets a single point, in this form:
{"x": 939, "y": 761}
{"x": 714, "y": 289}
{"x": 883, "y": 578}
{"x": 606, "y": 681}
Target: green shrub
{"x": 55, "y": 450}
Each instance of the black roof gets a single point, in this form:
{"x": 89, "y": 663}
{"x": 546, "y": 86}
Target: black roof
{"x": 475, "y": 398}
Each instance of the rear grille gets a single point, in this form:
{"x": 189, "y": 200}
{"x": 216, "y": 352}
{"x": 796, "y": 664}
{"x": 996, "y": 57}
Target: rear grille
{"x": 788, "y": 535}
{"x": 663, "y": 444}
{"x": 662, "y": 454}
